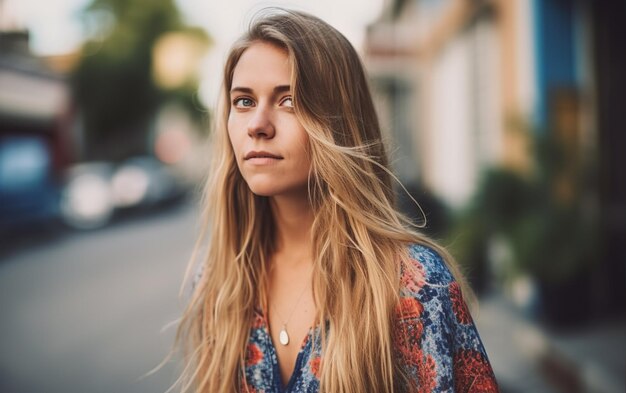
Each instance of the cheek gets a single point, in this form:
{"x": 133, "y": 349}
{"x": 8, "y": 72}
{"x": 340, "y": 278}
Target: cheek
{"x": 233, "y": 135}
{"x": 303, "y": 153}
{"x": 230, "y": 124}
{"x": 303, "y": 142}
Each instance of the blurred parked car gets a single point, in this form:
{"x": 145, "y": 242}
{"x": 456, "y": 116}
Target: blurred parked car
{"x": 87, "y": 200}
{"x": 95, "y": 191}
{"x": 29, "y": 190}
{"x": 35, "y": 118}
{"x": 145, "y": 181}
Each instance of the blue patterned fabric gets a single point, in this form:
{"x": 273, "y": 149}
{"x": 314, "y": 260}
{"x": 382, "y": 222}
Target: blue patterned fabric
{"x": 435, "y": 339}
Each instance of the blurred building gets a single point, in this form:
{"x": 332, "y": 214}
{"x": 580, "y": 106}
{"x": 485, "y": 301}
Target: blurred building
{"x": 35, "y": 119}
{"x": 453, "y": 75}
{"x": 464, "y": 85}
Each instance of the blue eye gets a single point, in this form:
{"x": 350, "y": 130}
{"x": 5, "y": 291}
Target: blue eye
{"x": 243, "y": 102}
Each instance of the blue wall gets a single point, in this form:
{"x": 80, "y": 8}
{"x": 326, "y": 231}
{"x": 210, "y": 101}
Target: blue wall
{"x": 555, "y": 52}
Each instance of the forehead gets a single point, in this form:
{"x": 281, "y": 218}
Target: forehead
{"x": 262, "y": 64}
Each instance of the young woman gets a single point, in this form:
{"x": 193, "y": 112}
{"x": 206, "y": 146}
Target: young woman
{"x": 312, "y": 281}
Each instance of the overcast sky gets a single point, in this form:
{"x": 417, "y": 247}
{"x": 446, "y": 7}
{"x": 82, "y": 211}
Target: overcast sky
{"x": 55, "y": 24}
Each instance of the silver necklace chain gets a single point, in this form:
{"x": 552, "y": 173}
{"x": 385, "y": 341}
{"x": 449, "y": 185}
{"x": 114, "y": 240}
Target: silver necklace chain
{"x": 283, "y": 336}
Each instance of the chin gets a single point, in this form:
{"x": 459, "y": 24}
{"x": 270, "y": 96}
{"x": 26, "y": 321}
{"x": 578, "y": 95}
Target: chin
{"x": 272, "y": 189}
{"x": 263, "y": 189}
{"x": 262, "y": 192}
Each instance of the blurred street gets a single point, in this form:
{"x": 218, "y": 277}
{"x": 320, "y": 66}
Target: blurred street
{"x": 528, "y": 357}
{"x": 84, "y": 313}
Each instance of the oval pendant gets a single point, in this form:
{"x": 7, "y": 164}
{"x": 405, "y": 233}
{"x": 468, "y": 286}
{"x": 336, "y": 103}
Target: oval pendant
{"x": 283, "y": 337}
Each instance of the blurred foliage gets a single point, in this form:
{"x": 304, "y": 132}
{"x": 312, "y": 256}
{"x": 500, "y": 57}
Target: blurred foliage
{"x": 398, "y": 7}
{"x": 113, "y": 84}
{"x": 545, "y": 217}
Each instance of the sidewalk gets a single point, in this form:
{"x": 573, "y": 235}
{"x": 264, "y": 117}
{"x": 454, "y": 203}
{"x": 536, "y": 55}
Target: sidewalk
{"x": 528, "y": 358}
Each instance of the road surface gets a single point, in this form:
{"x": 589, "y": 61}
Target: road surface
{"x": 85, "y": 312}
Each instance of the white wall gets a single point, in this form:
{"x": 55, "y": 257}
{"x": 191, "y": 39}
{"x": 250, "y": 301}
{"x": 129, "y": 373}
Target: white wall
{"x": 452, "y": 160}
{"x": 466, "y": 125}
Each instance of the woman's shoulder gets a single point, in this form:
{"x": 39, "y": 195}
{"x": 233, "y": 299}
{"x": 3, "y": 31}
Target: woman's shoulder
{"x": 437, "y": 339}
{"x": 427, "y": 266}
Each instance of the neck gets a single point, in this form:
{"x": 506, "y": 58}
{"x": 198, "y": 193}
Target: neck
{"x": 293, "y": 218}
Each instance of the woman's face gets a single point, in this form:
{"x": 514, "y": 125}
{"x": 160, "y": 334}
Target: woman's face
{"x": 269, "y": 143}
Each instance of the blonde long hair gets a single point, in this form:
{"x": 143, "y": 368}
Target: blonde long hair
{"x": 359, "y": 239}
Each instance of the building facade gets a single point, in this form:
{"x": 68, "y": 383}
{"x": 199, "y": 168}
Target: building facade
{"x": 467, "y": 85}
{"x": 458, "y": 79}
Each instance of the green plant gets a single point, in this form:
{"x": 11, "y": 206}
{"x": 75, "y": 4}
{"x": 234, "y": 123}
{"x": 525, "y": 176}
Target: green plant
{"x": 544, "y": 216}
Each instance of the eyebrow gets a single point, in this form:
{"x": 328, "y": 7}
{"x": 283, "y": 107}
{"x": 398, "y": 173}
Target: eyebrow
{"x": 278, "y": 89}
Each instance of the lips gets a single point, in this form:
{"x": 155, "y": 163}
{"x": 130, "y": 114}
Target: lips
{"x": 262, "y": 154}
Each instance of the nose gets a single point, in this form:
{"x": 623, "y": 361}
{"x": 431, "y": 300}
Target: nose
{"x": 260, "y": 124}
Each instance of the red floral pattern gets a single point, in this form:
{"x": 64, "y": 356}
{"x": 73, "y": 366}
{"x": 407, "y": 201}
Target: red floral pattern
{"x": 409, "y": 308}
{"x": 458, "y": 304}
{"x": 408, "y": 344}
{"x": 413, "y": 277}
{"x": 314, "y": 365}
{"x": 253, "y": 355}
{"x": 472, "y": 373}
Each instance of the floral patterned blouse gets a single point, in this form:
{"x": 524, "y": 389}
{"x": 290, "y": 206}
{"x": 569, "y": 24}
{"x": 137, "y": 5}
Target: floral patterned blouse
{"x": 435, "y": 338}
